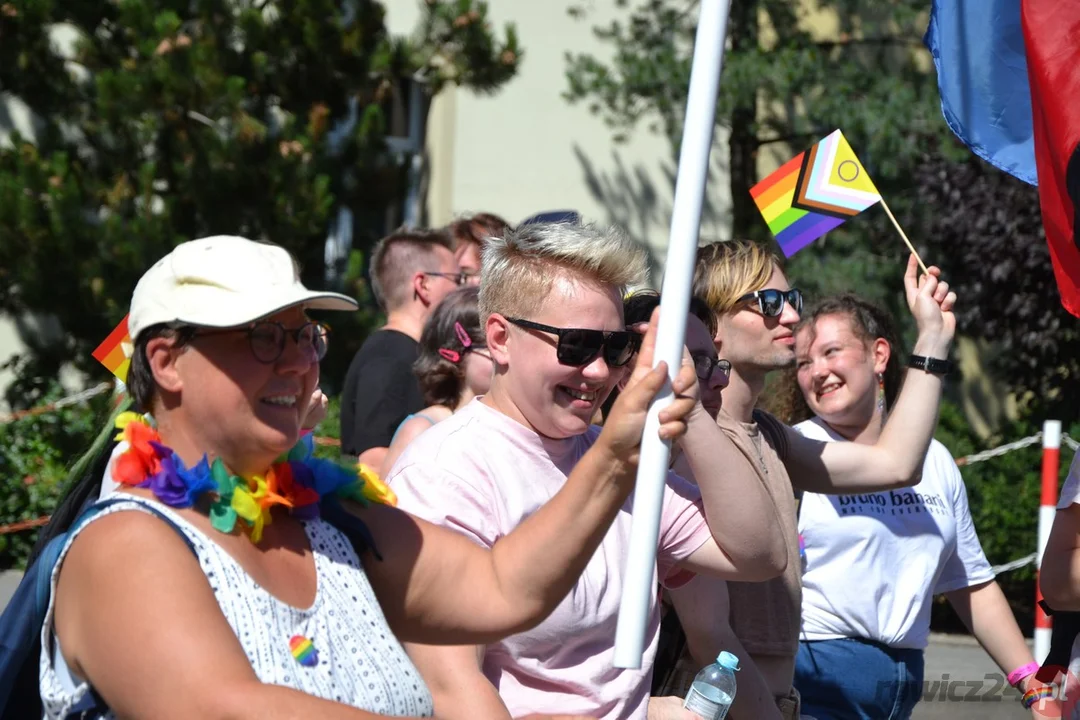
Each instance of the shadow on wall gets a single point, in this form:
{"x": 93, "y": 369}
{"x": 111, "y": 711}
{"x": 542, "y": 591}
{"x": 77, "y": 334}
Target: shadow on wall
{"x": 638, "y": 199}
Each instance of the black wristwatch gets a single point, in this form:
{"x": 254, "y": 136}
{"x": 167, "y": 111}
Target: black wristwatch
{"x": 935, "y": 366}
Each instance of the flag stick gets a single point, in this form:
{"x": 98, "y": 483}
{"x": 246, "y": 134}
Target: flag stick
{"x": 639, "y": 593}
{"x": 904, "y": 236}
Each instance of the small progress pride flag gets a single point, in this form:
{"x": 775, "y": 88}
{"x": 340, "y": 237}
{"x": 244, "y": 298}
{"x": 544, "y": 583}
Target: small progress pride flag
{"x": 813, "y": 193}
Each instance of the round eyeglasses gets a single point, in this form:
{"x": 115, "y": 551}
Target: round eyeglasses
{"x": 267, "y": 339}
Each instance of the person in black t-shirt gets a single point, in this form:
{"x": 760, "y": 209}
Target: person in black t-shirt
{"x": 411, "y": 272}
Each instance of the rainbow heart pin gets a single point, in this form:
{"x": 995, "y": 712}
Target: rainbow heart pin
{"x": 304, "y": 651}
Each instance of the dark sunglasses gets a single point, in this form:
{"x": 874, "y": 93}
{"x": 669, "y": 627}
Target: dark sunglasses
{"x": 706, "y": 365}
{"x": 267, "y": 339}
{"x": 579, "y": 347}
{"x": 771, "y": 301}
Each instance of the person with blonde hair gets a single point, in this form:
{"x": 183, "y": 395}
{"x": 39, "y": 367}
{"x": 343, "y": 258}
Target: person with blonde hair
{"x": 552, "y": 305}
{"x": 219, "y": 583}
{"x": 757, "y": 312}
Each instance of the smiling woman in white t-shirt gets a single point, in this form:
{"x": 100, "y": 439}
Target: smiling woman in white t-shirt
{"x": 874, "y": 562}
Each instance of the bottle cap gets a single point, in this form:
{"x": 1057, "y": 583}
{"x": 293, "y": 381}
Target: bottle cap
{"x": 727, "y": 660}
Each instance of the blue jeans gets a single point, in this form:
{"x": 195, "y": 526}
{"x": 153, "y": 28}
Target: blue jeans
{"x": 856, "y": 679}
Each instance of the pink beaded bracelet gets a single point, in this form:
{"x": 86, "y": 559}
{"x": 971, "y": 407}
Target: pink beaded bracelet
{"x": 1022, "y": 672}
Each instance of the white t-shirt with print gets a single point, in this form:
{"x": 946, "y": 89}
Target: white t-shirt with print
{"x": 875, "y": 561}
{"x": 1070, "y": 491}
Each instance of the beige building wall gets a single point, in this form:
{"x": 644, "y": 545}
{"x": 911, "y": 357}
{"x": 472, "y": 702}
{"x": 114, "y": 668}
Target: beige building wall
{"x": 526, "y": 150}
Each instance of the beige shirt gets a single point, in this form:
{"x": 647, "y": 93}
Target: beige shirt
{"x": 766, "y": 616}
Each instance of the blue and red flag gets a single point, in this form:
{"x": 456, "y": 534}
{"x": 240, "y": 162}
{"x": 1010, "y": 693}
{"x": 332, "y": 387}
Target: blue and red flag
{"x": 1009, "y": 76}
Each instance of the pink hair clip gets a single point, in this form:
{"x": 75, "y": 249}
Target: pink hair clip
{"x": 466, "y": 342}
{"x": 462, "y": 336}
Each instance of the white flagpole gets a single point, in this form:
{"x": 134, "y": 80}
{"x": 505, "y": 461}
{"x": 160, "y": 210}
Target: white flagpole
{"x": 639, "y": 588}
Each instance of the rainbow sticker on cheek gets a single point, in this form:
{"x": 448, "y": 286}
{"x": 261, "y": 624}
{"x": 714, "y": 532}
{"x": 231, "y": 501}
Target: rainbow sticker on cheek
{"x": 304, "y": 651}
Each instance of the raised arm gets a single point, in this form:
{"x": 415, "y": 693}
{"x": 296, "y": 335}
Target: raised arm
{"x": 437, "y": 587}
{"x": 897, "y": 457}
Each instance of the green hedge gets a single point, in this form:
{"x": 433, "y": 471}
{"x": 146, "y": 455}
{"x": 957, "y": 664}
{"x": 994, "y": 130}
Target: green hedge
{"x": 1004, "y": 496}
{"x": 35, "y": 453}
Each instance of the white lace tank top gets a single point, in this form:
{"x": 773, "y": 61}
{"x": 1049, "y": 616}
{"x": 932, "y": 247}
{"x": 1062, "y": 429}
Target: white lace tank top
{"x": 344, "y": 649}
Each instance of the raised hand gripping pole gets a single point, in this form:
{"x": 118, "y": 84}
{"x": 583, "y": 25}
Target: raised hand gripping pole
{"x": 639, "y": 588}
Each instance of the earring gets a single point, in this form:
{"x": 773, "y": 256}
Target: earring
{"x": 881, "y": 392}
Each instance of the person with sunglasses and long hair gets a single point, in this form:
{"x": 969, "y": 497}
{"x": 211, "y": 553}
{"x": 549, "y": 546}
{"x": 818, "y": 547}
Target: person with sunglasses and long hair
{"x": 875, "y": 561}
{"x": 551, "y": 297}
{"x": 233, "y": 574}
{"x": 454, "y": 367}
{"x": 757, "y": 311}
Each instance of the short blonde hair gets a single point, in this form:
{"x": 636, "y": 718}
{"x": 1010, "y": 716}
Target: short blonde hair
{"x": 725, "y": 271}
{"x": 520, "y": 268}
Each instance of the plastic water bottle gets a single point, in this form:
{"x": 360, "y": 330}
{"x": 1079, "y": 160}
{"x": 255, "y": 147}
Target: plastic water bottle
{"x": 713, "y": 690}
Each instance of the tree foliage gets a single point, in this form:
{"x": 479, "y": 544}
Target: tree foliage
{"x": 988, "y": 233}
{"x": 163, "y": 121}
{"x": 794, "y": 71}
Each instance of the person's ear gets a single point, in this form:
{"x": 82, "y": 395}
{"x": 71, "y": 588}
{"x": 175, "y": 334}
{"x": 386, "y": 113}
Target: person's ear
{"x": 881, "y": 353}
{"x": 419, "y": 286}
{"x": 162, "y": 356}
{"x": 718, "y": 338}
{"x": 497, "y": 332}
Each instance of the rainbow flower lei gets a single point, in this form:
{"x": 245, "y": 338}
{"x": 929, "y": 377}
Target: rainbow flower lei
{"x": 297, "y": 480}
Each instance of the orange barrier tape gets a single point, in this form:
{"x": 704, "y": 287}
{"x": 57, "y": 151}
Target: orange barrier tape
{"x": 23, "y": 525}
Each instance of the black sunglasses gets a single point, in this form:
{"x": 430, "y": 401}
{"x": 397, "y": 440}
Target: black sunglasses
{"x": 771, "y": 301}
{"x": 578, "y": 347}
{"x": 267, "y": 339}
{"x": 706, "y": 365}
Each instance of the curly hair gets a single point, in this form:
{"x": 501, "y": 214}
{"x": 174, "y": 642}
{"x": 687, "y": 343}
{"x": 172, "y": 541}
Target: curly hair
{"x": 868, "y": 322}
{"x": 442, "y": 380}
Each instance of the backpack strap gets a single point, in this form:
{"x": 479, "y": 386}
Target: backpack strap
{"x": 52, "y": 551}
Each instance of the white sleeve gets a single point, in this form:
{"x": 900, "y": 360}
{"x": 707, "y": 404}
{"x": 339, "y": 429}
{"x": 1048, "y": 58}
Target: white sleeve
{"x": 967, "y": 565}
{"x": 1070, "y": 491}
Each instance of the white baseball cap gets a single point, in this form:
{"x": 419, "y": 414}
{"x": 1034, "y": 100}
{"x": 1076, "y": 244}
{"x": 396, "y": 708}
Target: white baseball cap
{"x": 223, "y": 281}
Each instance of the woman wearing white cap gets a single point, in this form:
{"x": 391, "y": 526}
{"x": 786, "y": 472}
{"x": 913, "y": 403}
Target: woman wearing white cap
{"x": 215, "y": 590}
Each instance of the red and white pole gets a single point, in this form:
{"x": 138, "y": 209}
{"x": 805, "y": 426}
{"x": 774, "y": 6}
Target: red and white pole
{"x": 1051, "y": 466}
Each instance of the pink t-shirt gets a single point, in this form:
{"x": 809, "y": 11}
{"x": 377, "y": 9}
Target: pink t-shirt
{"x": 481, "y": 473}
